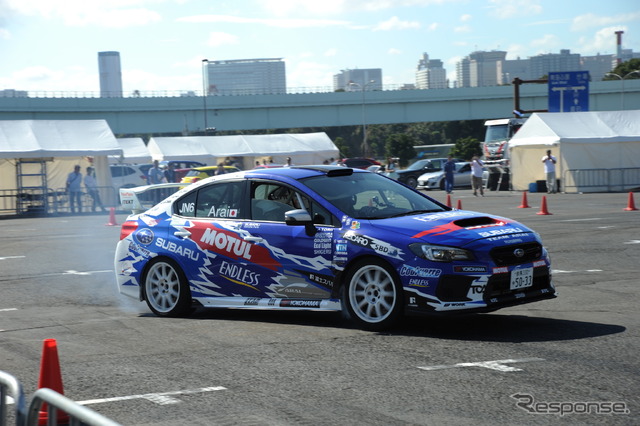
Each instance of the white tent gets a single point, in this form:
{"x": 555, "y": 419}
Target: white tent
{"x": 597, "y": 151}
{"x": 303, "y": 148}
{"x": 134, "y": 151}
{"x": 41, "y": 153}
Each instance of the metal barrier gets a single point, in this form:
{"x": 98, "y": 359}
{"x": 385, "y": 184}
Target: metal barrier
{"x": 601, "y": 180}
{"x": 55, "y": 201}
{"x": 78, "y": 414}
{"x": 9, "y": 386}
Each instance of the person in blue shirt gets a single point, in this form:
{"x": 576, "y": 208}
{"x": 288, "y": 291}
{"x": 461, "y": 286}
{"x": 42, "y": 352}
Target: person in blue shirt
{"x": 74, "y": 189}
{"x": 449, "y": 168}
{"x": 155, "y": 175}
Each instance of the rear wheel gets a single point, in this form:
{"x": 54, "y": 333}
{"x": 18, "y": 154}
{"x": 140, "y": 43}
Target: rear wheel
{"x": 412, "y": 182}
{"x": 166, "y": 289}
{"x": 372, "y": 296}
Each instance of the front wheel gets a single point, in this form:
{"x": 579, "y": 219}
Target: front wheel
{"x": 166, "y": 289}
{"x": 412, "y": 182}
{"x": 372, "y": 296}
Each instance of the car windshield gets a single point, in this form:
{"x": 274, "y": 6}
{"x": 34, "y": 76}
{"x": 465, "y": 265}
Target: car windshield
{"x": 371, "y": 196}
{"x": 420, "y": 164}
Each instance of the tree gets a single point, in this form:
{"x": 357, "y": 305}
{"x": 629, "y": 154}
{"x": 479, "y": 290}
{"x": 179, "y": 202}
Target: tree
{"x": 625, "y": 69}
{"x": 466, "y": 148}
{"x": 342, "y": 146}
{"x": 401, "y": 145}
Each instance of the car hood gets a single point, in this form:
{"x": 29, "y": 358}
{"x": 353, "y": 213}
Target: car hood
{"x": 454, "y": 228}
{"x": 430, "y": 175}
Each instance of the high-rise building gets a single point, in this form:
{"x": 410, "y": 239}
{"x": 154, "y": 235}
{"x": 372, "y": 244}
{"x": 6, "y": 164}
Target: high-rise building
{"x": 245, "y": 77}
{"x": 430, "y": 74}
{"x": 110, "y": 74}
{"x": 359, "y": 79}
{"x": 481, "y": 69}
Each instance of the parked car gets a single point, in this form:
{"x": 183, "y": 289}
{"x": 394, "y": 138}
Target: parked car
{"x": 198, "y": 173}
{"x": 359, "y": 162}
{"x": 435, "y": 180}
{"x": 127, "y": 175}
{"x": 410, "y": 175}
{"x": 180, "y": 164}
{"x": 324, "y": 238}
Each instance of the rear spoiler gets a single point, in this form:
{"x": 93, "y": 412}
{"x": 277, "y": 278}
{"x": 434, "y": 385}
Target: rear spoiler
{"x": 142, "y": 198}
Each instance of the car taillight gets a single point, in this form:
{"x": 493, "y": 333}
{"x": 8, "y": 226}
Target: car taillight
{"x": 195, "y": 179}
{"x": 127, "y": 228}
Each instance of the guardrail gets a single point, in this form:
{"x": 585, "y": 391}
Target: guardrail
{"x": 53, "y": 201}
{"x": 601, "y": 180}
{"x": 33, "y": 416}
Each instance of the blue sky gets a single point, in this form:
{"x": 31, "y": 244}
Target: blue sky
{"x": 52, "y": 45}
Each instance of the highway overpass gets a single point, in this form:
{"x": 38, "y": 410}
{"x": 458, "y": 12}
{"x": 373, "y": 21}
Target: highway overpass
{"x": 186, "y": 114}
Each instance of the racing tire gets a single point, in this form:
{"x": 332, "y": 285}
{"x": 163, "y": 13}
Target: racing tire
{"x": 372, "y": 296}
{"x": 412, "y": 182}
{"x": 166, "y": 289}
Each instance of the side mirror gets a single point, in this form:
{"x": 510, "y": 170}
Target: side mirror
{"x": 300, "y": 217}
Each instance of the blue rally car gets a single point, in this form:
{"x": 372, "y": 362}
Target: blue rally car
{"x": 324, "y": 238}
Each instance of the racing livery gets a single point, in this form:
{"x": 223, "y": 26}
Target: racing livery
{"x": 324, "y": 238}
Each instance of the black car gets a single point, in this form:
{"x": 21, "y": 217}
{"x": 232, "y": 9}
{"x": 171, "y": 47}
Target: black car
{"x": 410, "y": 175}
{"x": 358, "y": 163}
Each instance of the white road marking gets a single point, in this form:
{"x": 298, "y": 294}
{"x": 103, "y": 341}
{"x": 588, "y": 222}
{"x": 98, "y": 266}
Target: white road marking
{"x": 560, "y": 271}
{"x": 72, "y": 272}
{"x": 580, "y": 220}
{"x": 492, "y": 365}
{"x": 12, "y": 257}
{"x": 163, "y": 398}
{"x": 633, "y": 242}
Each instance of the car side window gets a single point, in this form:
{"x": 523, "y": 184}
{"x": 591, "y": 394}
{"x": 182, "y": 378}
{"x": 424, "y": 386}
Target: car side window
{"x": 220, "y": 200}
{"x": 270, "y": 201}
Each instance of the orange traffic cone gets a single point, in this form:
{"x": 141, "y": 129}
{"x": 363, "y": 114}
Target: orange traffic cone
{"x": 631, "y": 205}
{"x": 459, "y": 205}
{"x": 448, "y": 200}
{"x": 50, "y": 377}
{"x": 112, "y": 217}
{"x": 524, "y": 204}
{"x": 543, "y": 208}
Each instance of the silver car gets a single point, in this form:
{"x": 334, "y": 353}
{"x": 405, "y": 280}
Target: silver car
{"x": 435, "y": 180}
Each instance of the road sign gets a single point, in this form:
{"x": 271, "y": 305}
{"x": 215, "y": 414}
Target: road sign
{"x": 569, "y": 91}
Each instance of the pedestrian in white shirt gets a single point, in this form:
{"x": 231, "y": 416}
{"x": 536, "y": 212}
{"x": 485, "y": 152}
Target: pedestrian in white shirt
{"x": 476, "y": 175}
{"x": 549, "y": 162}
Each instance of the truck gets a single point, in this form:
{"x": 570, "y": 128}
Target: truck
{"x": 495, "y": 150}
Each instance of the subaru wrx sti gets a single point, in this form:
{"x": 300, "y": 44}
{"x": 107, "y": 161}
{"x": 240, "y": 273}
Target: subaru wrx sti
{"x": 325, "y": 238}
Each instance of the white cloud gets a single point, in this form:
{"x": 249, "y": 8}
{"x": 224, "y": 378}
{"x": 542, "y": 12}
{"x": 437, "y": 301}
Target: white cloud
{"x": 507, "y": 9}
{"x": 395, "y": 23}
{"x": 81, "y": 13}
{"x": 462, "y": 29}
{"x": 590, "y": 20}
{"x": 434, "y": 26}
{"x": 309, "y": 74}
{"x": 394, "y": 51}
{"x": 279, "y": 23}
{"x": 603, "y": 40}
{"x": 546, "y": 43}
{"x": 465, "y": 18}
{"x": 217, "y": 39}
{"x": 331, "y": 52}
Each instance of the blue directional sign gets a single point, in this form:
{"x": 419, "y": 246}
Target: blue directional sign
{"x": 568, "y": 91}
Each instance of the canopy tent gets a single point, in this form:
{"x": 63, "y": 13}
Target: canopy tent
{"x": 134, "y": 151}
{"x": 594, "y": 149}
{"x": 303, "y": 148}
{"x": 41, "y": 153}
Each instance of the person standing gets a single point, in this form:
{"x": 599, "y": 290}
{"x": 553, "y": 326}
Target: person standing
{"x": 449, "y": 168}
{"x": 549, "y": 162}
{"x": 220, "y": 170}
{"x": 476, "y": 175}
{"x": 92, "y": 189}
{"x": 288, "y": 162}
{"x": 155, "y": 175}
{"x": 170, "y": 173}
{"x": 74, "y": 189}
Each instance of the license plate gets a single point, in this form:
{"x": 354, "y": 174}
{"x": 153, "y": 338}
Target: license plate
{"x": 521, "y": 278}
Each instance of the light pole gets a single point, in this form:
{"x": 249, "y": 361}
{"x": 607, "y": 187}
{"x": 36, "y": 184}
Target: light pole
{"x": 365, "y": 145}
{"x": 205, "y": 63}
{"x": 622, "y": 83}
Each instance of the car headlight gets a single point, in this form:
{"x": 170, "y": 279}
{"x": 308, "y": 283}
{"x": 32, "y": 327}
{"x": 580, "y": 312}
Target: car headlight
{"x": 440, "y": 253}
